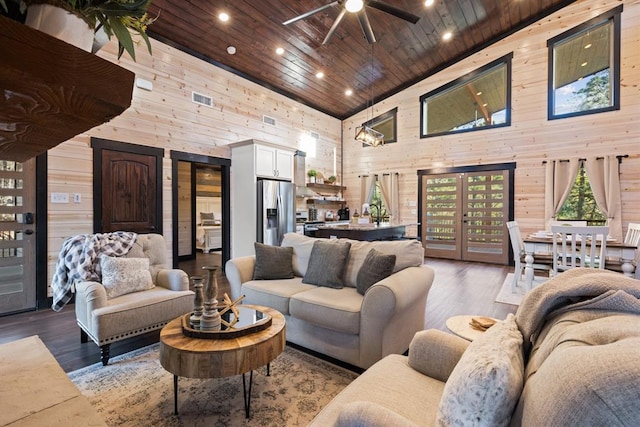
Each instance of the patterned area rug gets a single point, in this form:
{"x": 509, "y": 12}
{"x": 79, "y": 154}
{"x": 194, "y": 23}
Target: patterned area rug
{"x": 134, "y": 390}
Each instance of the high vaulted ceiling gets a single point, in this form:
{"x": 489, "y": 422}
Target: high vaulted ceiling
{"x": 404, "y": 53}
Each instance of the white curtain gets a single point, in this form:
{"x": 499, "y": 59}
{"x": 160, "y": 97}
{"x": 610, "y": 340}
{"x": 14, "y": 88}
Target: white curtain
{"x": 367, "y": 183}
{"x": 559, "y": 178}
{"x": 390, "y": 189}
{"x": 605, "y": 183}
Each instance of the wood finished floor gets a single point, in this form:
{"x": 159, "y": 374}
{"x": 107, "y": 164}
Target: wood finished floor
{"x": 458, "y": 288}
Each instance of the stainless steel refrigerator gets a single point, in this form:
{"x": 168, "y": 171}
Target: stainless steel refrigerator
{"x": 276, "y": 211}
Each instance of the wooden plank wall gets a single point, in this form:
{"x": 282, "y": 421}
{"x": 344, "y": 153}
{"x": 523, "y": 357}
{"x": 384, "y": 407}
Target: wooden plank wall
{"x": 530, "y": 139}
{"x": 166, "y": 117}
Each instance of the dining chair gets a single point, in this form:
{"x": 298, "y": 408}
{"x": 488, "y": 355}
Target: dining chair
{"x": 519, "y": 254}
{"x": 579, "y": 247}
{"x": 633, "y": 234}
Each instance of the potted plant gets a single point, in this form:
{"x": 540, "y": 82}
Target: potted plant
{"x": 312, "y": 174}
{"x": 332, "y": 179}
{"x": 115, "y": 17}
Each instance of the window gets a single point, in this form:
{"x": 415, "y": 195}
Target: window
{"x": 581, "y": 204}
{"x": 584, "y": 68}
{"x": 377, "y": 206}
{"x": 479, "y": 100}
{"x": 386, "y": 124}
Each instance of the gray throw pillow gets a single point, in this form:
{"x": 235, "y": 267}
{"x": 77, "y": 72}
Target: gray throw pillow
{"x": 376, "y": 266}
{"x": 273, "y": 262}
{"x": 327, "y": 263}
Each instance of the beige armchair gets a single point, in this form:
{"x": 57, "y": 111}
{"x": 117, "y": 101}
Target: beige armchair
{"x": 107, "y": 319}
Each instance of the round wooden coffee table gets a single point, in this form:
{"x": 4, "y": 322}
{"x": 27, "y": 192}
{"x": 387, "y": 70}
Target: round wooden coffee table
{"x": 216, "y": 358}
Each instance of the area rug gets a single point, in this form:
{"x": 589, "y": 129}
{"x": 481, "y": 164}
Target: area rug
{"x": 505, "y": 295}
{"x": 134, "y": 390}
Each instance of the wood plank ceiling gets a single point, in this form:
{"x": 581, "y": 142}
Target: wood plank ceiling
{"x": 404, "y": 53}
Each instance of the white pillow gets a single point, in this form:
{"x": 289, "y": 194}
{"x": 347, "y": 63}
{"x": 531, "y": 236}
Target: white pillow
{"x": 125, "y": 275}
{"x": 486, "y": 384}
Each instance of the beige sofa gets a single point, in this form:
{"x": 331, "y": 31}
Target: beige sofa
{"x": 35, "y": 391}
{"x": 107, "y": 319}
{"x": 568, "y": 358}
{"x": 342, "y": 323}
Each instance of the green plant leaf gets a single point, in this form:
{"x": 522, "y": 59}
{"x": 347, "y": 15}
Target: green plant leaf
{"x": 124, "y": 37}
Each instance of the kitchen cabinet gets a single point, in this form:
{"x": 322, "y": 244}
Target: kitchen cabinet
{"x": 248, "y": 164}
{"x": 273, "y": 162}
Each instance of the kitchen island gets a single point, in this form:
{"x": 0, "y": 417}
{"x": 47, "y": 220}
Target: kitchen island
{"x": 368, "y": 232}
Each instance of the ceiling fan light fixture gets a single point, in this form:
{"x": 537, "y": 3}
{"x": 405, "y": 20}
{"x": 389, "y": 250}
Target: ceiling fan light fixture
{"x": 354, "y": 6}
{"x": 369, "y": 136}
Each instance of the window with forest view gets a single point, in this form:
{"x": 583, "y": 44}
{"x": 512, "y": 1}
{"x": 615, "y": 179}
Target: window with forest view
{"x": 581, "y": 205}
{"x": 377, "y": 207}
{"x": 584, "y": 76}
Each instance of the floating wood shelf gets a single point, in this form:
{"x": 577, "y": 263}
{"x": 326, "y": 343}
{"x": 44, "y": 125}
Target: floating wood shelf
{"x": 53, "y": 91}
{"x": 328, "y": 188}
{"x": 325, "y": 202}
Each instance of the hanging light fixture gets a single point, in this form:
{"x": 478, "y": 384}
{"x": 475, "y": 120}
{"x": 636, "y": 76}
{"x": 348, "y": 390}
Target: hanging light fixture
{"x": 364, "y": 133}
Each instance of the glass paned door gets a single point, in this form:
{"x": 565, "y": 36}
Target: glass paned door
{"x": 463, "y": 216}
{"x": 17, "y": 236}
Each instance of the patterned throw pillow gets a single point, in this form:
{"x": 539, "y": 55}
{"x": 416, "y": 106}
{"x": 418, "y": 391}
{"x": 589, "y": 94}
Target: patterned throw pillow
{"x": 125, "y": 275}
{"x": 273, "y": 262}
{"x": 486, "y": 384}
{"x": 327, "y": 263}
{"x": 376, "y": 267}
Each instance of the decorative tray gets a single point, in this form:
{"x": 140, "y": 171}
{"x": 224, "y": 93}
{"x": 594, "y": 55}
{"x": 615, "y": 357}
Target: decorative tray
{"x": 248, "y": 321}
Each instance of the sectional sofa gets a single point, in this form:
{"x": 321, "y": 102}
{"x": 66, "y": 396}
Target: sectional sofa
{"x": 569, "y": 357}
{"x": 358, "y": 328}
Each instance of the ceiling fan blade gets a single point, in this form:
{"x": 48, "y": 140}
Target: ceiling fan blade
{"x": 308, "y": 14}
{"x": 366, "y": 27}
{"x": 334, "y": 27}
{"x": 392, "y": 10}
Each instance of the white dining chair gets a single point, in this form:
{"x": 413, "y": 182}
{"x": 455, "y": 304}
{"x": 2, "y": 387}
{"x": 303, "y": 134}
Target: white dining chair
{"x": 519, "y": 254}
{"x": 579, "y": 247}
{"x": 633, "y": 234}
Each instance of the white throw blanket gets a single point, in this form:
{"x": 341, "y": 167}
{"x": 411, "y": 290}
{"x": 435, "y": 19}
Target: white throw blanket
{"x": 576, "y": 289}
{"x": 79, "y": 260}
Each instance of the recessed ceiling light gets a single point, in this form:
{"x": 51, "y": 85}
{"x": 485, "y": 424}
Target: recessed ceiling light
{"x": 279, "y": 51}
{"x": 428, "y": 3}
{"x": 231, "y": 50}
{"x": 354, "y": 5}
{"x": 447, "y": 36}
{"x": 587, "y": 46}
{"x": 319, "y": 74}
{"x": 348, "y": 92}
{"x": 224, "y": 17}
{"x": 485, "y": 104}
{"x": 584, "y": 64}
{"x": 479, "y": 93}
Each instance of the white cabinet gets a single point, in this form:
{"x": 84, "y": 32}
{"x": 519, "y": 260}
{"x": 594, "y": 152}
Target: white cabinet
{"x": 273, "y": 162}
{"x": 252, "y": 160}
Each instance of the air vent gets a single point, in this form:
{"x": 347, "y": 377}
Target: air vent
{"x": 315, "y": 135}
{"x": 201, "y": 99}
{"x": 269, "y": 120}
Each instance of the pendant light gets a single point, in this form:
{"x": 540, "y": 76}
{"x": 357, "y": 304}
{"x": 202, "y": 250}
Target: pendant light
{"x": 364, "y": 133}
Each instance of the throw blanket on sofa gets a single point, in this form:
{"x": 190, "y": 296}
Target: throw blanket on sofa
{"x": 576, "y": 289}
{"x": 79, "y": 260}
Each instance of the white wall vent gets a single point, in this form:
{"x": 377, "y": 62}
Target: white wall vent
{"x": 201, "y": 99}
{"x": 269, "y": 120}
{"x": 315, "y": 135}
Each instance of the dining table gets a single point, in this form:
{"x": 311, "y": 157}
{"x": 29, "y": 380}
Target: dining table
{"x": 542, "y": 243}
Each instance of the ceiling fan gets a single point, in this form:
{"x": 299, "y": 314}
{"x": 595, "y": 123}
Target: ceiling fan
{"x": 359, "y": 8}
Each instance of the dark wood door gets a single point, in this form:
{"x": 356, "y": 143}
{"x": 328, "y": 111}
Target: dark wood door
{"x": 129, "y": 189}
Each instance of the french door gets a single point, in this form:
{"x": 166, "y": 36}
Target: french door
{"x": 17, "y": 236}
{"x": 463, "y": 214}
